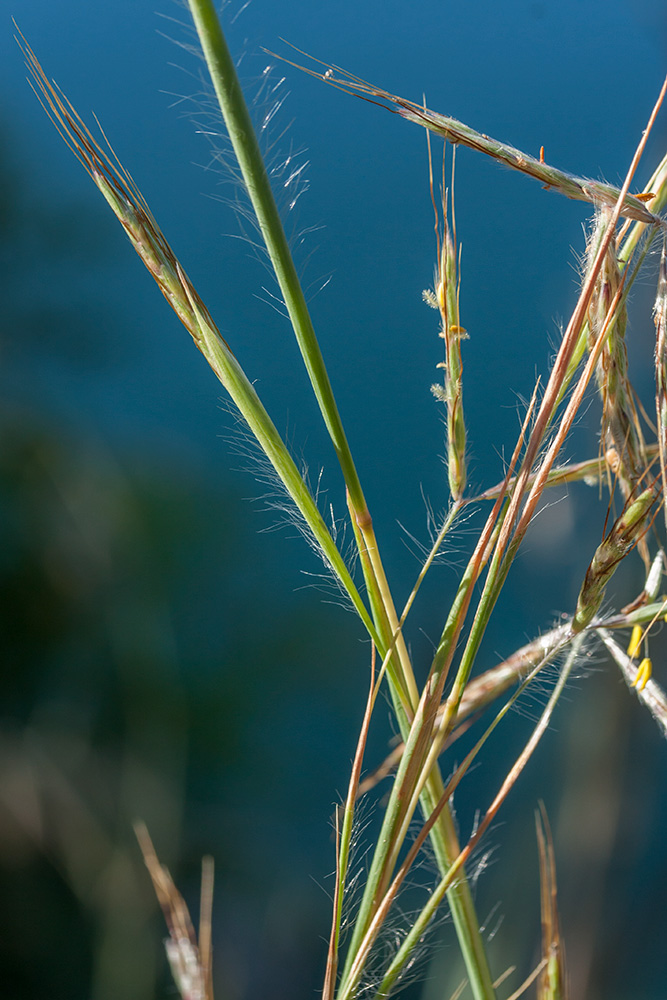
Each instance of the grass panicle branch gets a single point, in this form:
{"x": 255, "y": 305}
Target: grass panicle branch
{"x": 521, "y": 507}
{"x": 660, "y": 318}
{"x": 426, "y": 915}
{"x": 445, "y": 298}
{"x": 456, "y": 133}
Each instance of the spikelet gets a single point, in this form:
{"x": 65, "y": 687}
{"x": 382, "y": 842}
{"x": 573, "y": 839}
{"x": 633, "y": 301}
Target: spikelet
{"x": 660, "y": 318}
{"x": 445, "y": 299}
{"x": 625, "y": 533}
{"x": 133, "y": 213}
{"x": 619, "y": 435}
{"x": 552, "y": 983}
{"x": 128, "y": 205}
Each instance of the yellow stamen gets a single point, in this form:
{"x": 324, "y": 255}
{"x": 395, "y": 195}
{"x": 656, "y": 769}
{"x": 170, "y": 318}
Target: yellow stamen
{"x": 635, "y": 640}
{"x": 643, "y": 675}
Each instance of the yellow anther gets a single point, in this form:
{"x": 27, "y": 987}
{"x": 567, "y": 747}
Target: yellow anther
{"x": 635, "y": 640}
{"x": 440, "y": 295}
{"x": 457, "y": 329}
{"x": 643, "y": 675}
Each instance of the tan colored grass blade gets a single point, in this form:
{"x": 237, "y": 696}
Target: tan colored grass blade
{"x": 660, "y": 317}
{"x": 527, "y": 982}
{"x": 206, "y": 923}
{"x": 343, "y": 842}
{"x": 552, "y": 984}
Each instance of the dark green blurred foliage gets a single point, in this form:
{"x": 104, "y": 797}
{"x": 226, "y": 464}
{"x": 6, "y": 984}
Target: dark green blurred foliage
{"x": 138, "y": 681}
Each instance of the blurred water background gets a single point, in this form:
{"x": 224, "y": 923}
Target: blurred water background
{"x": 165, "y": 654}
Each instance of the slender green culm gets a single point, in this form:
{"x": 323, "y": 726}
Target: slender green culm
{"x": 237, "y": 120}
{"x": 246, "y": 149}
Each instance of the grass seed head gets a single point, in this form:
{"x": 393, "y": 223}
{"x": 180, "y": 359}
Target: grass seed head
{"x": 624, "y": 535}
{"x": 619, "y": 434}
{"x": 660, "y": 319}
{"x": 125, "y": 200}
{"x": 445, "y": 298}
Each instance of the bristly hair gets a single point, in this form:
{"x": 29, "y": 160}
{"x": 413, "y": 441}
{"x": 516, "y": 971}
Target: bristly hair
{"x": 275, "y": 498}
{"x": 286, "y": 161}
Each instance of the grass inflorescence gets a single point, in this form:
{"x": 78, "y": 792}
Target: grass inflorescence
{"x": 434, "y": 714}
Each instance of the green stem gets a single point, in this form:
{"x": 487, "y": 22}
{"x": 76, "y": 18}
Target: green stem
{"x": 242, "y": 135}
{"x": 420, "y": 925}
{"x": 444, "y": 839}
{"x": 246, "y": 148}
{"x": 232, "y": 376}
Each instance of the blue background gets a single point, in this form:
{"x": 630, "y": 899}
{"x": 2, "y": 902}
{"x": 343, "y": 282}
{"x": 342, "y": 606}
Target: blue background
{"x": 200, "y": 681}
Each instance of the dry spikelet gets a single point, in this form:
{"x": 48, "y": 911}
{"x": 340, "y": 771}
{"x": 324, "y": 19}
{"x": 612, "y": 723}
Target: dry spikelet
{"x": 660, "y": 318}
{"x": 445, "y": 299}
{"x": 552, "y": 983}
{"x": 127, "y": 203}
{"x": 625, "y": 533}
{"x": 189, "y": 959}
{"x": 457, "y": 133}
{"x": 620, "y": 439}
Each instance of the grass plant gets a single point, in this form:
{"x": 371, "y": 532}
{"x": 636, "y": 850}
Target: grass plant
{"x": 432, "y": 715}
